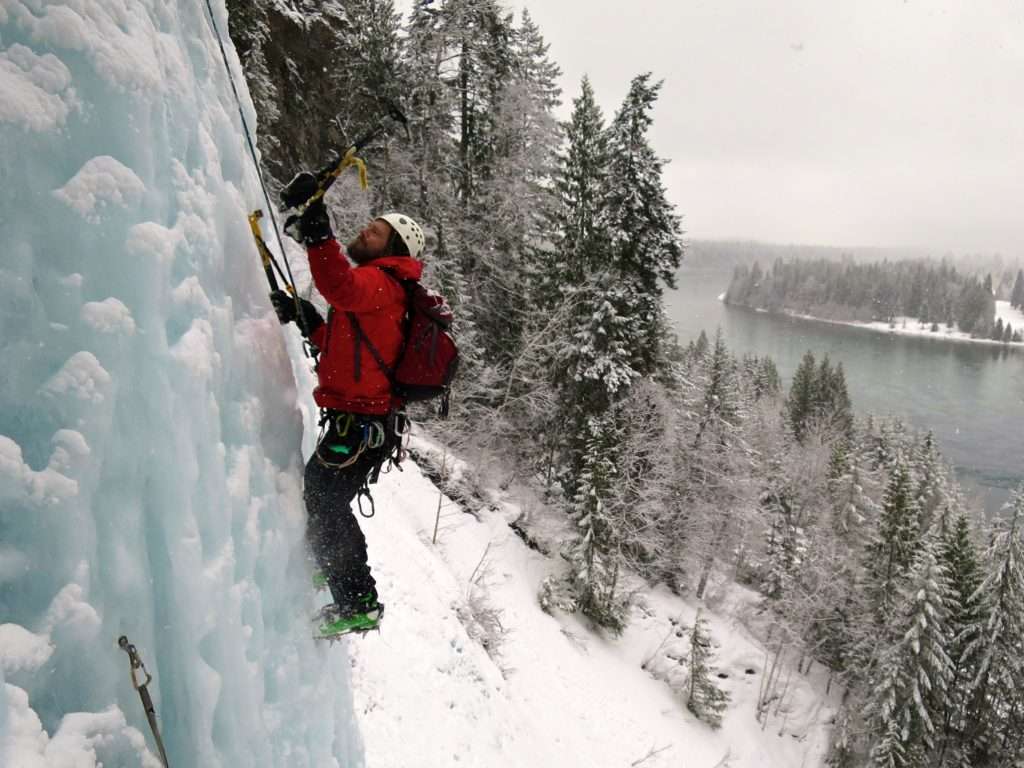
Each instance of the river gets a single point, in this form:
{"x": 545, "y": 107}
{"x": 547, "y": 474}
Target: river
{"x": 970, "y": 395}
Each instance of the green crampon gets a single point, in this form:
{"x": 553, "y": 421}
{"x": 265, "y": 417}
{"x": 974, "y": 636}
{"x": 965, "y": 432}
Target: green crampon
{"x": 332, "y": 625}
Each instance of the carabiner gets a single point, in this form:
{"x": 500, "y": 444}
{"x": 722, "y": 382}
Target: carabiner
{"x": 348, "y": 423}
{"x": 401, "y": 425}
{"x": 373, "y": 434}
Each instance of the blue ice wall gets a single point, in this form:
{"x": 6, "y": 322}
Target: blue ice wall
{"x": 149, "y": 432}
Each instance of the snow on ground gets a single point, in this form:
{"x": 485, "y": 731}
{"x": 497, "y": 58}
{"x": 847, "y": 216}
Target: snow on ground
{"x": 911, "y": 326}
{"x": 1008, "y": 314}
{"x": 557, "y": 693}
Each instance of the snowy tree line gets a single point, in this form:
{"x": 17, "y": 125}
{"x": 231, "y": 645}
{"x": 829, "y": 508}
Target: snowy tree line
{"x": 679, "y": 465}
{"x": 935, "y": 293}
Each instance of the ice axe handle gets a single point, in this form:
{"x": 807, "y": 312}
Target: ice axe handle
{"x": 393, "y": 113}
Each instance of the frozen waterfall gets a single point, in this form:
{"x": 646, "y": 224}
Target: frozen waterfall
{"x": 149, "y": 432}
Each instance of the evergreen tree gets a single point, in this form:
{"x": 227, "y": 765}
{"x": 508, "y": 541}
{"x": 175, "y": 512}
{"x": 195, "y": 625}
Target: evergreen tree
{"x": 535, "y": 64}
{"x": 786, "y": 543}
{"x": 646, "y": 235}
{"x": 800, "y": 404}
{"x": 931, "y": 486}
{"x": 593, "y": 366}
{"x": 975, "y": 309}
{"x": 532, "y": 132}
{"x": 761, "y": 376}
{"x": 850, "y": 490}
{"x": 960, "y": 559}
{"x": 997, "y": 330}
{"x": 996, "y": 713}
{"x": 594, "y": 551}
{"x": 911, "y": 685}
{"x": 894, "y": 545}
{"x": 581, "y": 225}
{"x": 720, "y": 408}
{"x": 507, "y": 201}
{"x": 831, "y": 407}
{"x": 716, "y": 454}
{"x": 705, "y": 699}
{"x": 699, "y": 347}
{"x": 838, "y": 615}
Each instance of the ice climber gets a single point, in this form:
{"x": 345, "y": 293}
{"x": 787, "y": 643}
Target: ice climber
{"x": 358, "y": 409}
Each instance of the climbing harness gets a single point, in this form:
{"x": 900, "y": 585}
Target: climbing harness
{"x": 147, "y": 701}
{"x": 352, "y": 436}
{"x": 337, "y": 425}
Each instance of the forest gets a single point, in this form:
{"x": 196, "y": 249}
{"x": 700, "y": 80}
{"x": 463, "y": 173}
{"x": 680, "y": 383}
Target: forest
{"x": 675, "y": 464}
{"x": 934, "y": 293}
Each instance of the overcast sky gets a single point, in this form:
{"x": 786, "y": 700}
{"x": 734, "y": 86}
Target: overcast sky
{"x": 841, "y": 122}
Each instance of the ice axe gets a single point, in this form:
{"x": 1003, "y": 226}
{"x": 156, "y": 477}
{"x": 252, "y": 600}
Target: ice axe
{"x": 305, "y": 189}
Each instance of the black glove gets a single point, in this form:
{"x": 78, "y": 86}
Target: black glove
{"x": 305, "y": 184}
{"x": 284, "y": 306}
{"x": 312, "y": 227}
{"x": 297, "y": 191}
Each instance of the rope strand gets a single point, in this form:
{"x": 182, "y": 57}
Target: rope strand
{"x": 259, "y": 172}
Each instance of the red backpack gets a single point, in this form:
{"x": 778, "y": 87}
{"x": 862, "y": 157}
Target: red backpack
{"x": 428, "y": 358}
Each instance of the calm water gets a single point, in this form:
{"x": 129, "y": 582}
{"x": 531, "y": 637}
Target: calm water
{"x": 970, "y": 395}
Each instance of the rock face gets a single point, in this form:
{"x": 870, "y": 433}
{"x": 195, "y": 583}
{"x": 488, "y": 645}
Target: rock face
{"x": 316, "y": 70}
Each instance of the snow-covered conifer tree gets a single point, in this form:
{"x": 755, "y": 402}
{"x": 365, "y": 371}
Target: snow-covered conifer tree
{"x": 581, "y": 222}
{"x": 931, "y": 485}
{"x": 594, "y": 366}
{"x": 786, "y": 543}
{"x": 717, "y": 457}
{"x": 996, "y": 714}
{"x": 704, "y": 698}
{"x": 959, "y": 556}
{"x": 910, "y": 685}
{"x": 720, "y": 407}
{"x": 802, "y": 394}
{"x": 894, "y": 544}
{"x": 646, "y": 233}
{"x": 593, "y": 554}
{"x": 850, "y": 487}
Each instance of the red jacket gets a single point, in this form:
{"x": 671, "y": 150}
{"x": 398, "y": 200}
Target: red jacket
{"x": 378, "y": 301}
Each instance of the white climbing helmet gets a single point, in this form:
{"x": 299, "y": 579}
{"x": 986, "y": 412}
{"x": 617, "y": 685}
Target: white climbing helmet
{"x": 410, "y": 232}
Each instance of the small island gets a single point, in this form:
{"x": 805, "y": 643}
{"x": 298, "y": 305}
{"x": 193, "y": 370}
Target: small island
{"x": 914, "y": 297}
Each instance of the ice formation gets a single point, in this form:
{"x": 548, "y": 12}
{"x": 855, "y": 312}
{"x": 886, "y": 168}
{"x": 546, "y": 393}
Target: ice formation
{"x": 149, "y": 437}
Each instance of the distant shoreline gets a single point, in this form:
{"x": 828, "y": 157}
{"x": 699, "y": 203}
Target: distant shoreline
{"x": 911, "y": 326}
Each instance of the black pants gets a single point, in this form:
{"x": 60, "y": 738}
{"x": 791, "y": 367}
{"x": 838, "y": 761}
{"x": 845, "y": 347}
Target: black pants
{"x": 332, "y": 528}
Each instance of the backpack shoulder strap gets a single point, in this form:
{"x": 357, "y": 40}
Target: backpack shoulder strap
{"x": 361, "y": 337}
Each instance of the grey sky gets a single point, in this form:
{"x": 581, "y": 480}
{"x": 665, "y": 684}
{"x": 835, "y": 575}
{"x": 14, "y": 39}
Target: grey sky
{"x": 861, "y": 122}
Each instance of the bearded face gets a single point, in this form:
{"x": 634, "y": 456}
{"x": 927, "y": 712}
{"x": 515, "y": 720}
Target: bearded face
{"x": 371, "y": 242}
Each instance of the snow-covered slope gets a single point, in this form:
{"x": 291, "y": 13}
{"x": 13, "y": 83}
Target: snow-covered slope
{"x": 556, "y": 693}
{"x": 149, "y": 439}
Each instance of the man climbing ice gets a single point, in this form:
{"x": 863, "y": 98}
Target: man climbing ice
{"x": 360, "y": 422}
